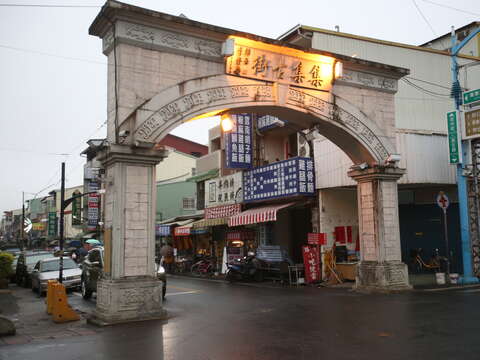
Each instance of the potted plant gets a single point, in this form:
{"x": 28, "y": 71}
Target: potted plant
{"x": 6, "y": 261}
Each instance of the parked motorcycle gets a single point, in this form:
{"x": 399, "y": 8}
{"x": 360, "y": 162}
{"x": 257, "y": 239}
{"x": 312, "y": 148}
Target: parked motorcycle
{"x": 244, "y": 269}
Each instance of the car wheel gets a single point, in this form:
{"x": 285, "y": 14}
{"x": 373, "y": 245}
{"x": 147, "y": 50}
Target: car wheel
{"x": 86, "y": 293}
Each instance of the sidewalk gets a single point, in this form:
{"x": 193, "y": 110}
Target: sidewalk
{"x": 427, "y": 282}
{"x": 28, "y": 312}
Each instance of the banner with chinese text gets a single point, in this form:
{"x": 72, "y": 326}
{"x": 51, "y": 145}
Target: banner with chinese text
{"x": 311, "y": 263}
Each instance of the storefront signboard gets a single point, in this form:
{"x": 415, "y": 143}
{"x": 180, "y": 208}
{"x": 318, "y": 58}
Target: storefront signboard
{"x": 224, "y": 190}
{"x": 295, "y": 176}
{"x": 472, "y": 124}
{"x": 52, "y": 223}
{"x": 311, "y": 263}
{"x": 162, "y": 230}
{"x": 182, "y": 231}
{"x": 317, "y": 238}
{"x": 38, "y": 226}
{"x": 238, "y": 143}
{"x": 268, "y": 122}
{"x": 93, "y": 202}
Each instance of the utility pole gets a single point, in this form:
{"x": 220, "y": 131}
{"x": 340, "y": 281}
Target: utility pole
{"x": 23, "y": 222}
{"x": 468, "y": 276}
{"x": 62, "y": 219}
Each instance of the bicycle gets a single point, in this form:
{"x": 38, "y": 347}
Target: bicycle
{"x": 417, "y": 263}
{"x": 202, "y": 267}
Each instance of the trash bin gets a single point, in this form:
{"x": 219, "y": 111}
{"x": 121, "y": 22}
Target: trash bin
{"x": 440, "y": 277}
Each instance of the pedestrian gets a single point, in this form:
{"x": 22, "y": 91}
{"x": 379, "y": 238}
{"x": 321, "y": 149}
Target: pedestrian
{"x": 81, "y": 253}
{"x": 167, "y": 257}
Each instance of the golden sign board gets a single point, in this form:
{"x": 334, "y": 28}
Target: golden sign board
{"x": 472, "y": 123}
{"x": 257, "y": 60}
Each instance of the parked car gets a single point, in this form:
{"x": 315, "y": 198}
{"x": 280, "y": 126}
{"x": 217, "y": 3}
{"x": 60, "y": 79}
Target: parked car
{"x": 25, "y": 263}
{"x": 92, "y": 269}
{"x": 49, "y": 269}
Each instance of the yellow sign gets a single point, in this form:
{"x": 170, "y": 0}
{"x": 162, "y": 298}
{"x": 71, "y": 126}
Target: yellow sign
{"x": 38, "y": 226}
{"x": 261, "y": 61}
{"x": 472, "y": 123}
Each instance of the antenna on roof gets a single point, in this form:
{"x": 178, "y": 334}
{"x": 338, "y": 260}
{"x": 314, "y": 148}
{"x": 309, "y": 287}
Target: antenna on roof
{"x": 183, "y": 15}
{"x": 337, "y": 28}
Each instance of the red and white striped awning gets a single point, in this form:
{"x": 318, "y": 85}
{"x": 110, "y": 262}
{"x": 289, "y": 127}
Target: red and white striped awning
{"x": 257, "y": 215}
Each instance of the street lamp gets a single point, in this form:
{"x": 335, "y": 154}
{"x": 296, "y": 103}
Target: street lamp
{"x": 63, "y": 205}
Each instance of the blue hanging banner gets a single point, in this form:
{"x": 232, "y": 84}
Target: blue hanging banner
{"x": 295, "y": 176}
{"x": 238, "y": 143}
{"x": 162, "y": 230}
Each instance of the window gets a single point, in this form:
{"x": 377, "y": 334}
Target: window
{"x": 188, "y": 203}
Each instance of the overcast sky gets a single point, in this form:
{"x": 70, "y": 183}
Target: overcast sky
{"x": 53, "y": 74}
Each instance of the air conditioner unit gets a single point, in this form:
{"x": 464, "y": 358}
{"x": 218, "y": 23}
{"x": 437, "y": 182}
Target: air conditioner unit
{"x": 303, "y": 148}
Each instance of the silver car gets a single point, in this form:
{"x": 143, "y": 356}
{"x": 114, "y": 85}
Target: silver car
{"x": 48, "y": 269}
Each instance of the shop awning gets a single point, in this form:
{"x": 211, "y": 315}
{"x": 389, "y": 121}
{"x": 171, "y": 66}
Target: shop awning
{"x": 257, "y": 215}
{"x": 210, "y": 222}
{"x": 204, "y": 176}
{"x": 190, "y": 229}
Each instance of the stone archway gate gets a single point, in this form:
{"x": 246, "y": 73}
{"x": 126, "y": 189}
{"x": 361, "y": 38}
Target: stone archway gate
{"x": 164, "y": 70}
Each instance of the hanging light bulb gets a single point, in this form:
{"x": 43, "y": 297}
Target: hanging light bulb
{"x": 227, "y": 124}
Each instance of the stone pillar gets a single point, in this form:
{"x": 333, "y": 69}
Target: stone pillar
{"x": 380, "y": 266}
{"x": 129, "y": 289}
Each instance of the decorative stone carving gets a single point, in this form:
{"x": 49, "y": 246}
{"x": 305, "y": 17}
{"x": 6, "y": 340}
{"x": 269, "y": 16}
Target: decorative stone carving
{"x": 164, "y": 40}
{"x": 195, "y": 101}
{"x": 362, "y": 79}
{"x": 378, "y": 276}
{"x": 139, "y": 32}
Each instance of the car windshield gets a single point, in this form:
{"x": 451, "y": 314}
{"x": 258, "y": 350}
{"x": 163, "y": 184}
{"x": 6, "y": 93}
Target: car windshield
{"x": 54, "y": 265}
{"x": 32, "y": 259}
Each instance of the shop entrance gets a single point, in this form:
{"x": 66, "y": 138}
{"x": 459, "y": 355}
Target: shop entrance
{"x": 166, "y": 70}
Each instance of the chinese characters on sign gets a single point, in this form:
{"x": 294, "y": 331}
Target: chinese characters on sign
{"x": 471, "y": 96}
{"x": 238, "y": 143}
{"x": 224, "y": 190}
{"x": 311, "y": 263}
{"x": 453, "y": 141}
{"x": 268, "y": 121}
{"x": 162, "y": 230}
{"x": 93, "y": 206}
{"x": 52, "y": 223}
{"x": 290, "y": 177}
{"x": 295, "y": 68}
{"x": 472, "y": 123}
{"x": 317, "y": 238}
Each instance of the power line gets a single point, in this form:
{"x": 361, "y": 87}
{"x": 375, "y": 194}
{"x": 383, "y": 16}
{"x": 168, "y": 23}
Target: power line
{"x": 50, "y": 6}
{"x": 427, "y": 82}
{"x": 424, "y": 18}
{"x": 426, "y": 91}
{"x": 451, "y": 8}
{"x": 32, "y": 151}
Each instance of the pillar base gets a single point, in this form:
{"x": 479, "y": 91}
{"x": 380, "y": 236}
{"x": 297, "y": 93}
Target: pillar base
{"x": 382, "y": 276}
{"x": 126, "y": 300}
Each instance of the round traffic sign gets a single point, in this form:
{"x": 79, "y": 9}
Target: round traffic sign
{"x": 442, "y": 201}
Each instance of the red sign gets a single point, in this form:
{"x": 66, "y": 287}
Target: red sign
{"x": 222, "y": 211}
{"x": 312, "y": 264}
{"x": 182, "y": 231}
{"x": 317, "y": 238}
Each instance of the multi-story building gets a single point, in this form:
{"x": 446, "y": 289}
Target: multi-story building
{"x": 421, "y": 104}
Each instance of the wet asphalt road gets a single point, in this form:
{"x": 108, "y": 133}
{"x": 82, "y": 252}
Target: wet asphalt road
{"x": 215, "y": 320}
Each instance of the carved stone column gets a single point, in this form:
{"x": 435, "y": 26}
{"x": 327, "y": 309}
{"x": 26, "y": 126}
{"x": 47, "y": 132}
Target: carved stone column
{"x": 129, "y": 289}
{"x": 380, "y": 266}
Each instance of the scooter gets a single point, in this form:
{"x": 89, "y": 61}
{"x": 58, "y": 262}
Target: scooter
{"x": 243, "y": 269}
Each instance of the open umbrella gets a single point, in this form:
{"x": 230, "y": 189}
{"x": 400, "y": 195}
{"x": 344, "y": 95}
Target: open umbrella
{"x": 93, "y": 242}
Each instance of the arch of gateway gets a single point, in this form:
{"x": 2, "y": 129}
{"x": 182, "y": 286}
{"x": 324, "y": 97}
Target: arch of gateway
{"x": 164, "y": 70}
